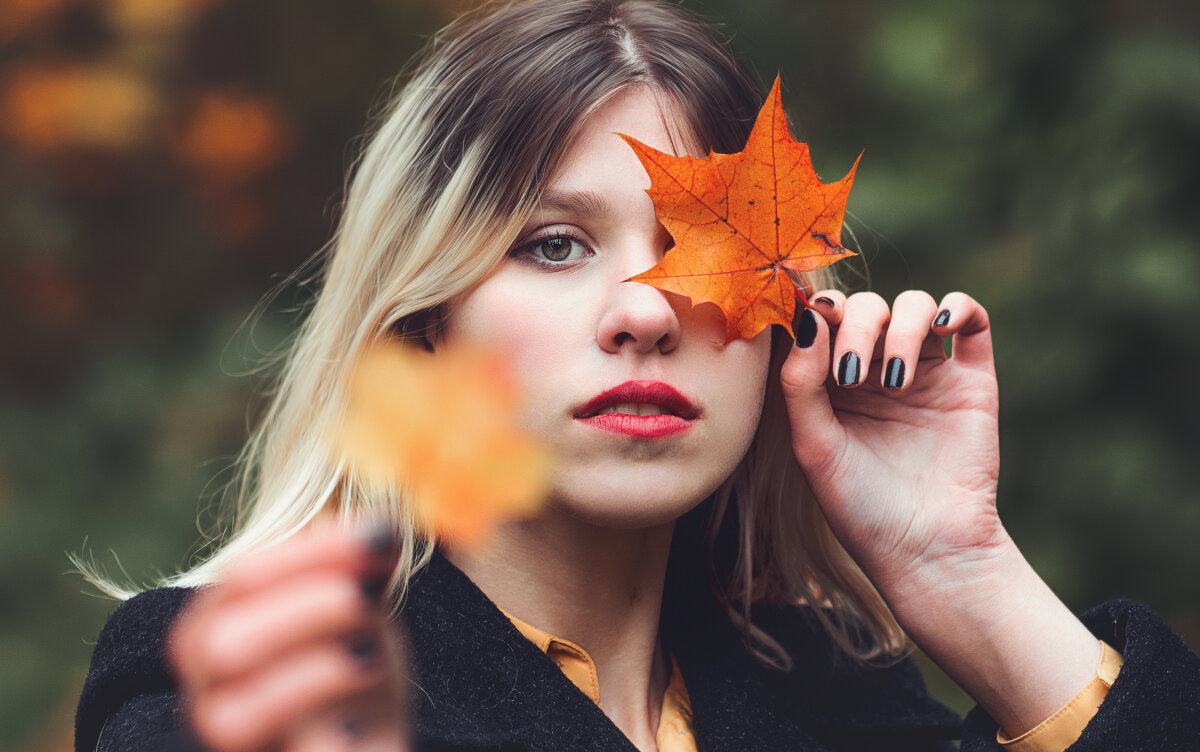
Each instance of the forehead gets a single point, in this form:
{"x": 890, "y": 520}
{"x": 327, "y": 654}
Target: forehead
{"x": 644, "y": 113}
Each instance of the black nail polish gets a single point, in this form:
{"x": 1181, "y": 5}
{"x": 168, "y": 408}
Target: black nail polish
{"x": 363, "y": 648}
{"x": 827, "y": 301}
{"x": 942, "y": 318}
{"x": 848, "y": 369}
{"x": 893, "y": 378}
{"x": 806, "y": 331}
{"x": 382, "y": 540}
{"x": 374, "y": 586}
{"x": 355, "y": 728}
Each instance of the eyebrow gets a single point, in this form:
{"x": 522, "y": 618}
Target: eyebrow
{"x": 584, "y": 203}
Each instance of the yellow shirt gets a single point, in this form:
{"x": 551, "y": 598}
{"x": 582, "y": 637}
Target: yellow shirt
{"x": 1060, "y": 730}
{"x": 675, "y": 734}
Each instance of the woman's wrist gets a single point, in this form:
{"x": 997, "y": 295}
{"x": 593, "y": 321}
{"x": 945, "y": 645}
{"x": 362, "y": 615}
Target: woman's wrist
{"x": 991, "y": 623}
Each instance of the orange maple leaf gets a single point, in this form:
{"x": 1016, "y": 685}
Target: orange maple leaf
{"x": 443, "y": 427}
{"x": 741, "y": 222}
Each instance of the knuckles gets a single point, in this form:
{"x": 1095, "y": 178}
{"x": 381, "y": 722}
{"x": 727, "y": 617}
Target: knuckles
{"x": 227, "y": 638}
{"x": 219, "y": 725}
{"x": 260, "y": 654}
{"x": 866, "y": 303}
{"x": 915, "y": 299}
{"x": 795, "y": 381}
{"x": 258, "y": 710}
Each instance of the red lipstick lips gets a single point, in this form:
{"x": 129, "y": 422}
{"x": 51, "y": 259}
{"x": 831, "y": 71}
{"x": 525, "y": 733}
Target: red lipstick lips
{"x": 643, "y": 409}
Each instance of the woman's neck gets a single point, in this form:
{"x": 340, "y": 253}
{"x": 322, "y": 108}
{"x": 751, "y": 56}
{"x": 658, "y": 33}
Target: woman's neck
{"x": 601, "y": 589}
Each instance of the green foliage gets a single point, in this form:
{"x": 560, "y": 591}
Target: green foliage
{"x": 1041, "y": 156}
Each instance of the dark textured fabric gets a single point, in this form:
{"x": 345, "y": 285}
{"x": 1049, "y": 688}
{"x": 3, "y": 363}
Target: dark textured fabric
{"x": 1153, "y": 706}
{"x": 128, "y": 700}
{"x": 479, "y": 685}
{"x": 484, "y": 684}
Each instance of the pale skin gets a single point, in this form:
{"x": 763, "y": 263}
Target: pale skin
{"x": 906, "y": 477}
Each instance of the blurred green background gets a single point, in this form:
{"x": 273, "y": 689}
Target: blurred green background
{"x": 165, "y": 163}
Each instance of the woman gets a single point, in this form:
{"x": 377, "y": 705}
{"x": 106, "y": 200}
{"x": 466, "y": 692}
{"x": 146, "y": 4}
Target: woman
{"x": 738, "y": 581}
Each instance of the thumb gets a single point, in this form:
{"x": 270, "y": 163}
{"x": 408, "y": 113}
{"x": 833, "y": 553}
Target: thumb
{"x": 816, "y": 433}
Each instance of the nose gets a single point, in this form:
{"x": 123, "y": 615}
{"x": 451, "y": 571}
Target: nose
{"x": 638, "y": 317}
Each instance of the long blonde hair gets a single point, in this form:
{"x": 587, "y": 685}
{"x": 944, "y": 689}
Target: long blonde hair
{"x": 449, "y": 177}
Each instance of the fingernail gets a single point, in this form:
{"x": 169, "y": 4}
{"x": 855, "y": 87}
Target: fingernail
{"x": 806, "y": 332}
{"x": 355, "y": 728}
{"x": 893, "y": 378}
{"x": 364, "y": 649}
{"x": 942, "y": 318}
{"x": 382, "y": 540}
{"x": 848, "y": 369}
{"x": 827, "y": 301}
{"x": 374, "y": 586}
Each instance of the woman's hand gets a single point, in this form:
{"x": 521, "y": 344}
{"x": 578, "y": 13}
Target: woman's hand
{"x": 904, "y": 468}
{"x": 293, "y": 651}
{"x": 907, "y": 476}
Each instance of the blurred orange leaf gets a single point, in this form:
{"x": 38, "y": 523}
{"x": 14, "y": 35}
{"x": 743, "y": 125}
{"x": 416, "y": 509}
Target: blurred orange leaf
{"x": 444, "y": 428}
{"x": 742, "y": 222}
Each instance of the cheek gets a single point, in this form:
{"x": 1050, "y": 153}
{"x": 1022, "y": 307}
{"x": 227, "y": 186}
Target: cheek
{"x": 743, "y": 380}
{"x": 501, "y": 314}
{"x": 524, "y": 324}
{"x": 743, "y": 386}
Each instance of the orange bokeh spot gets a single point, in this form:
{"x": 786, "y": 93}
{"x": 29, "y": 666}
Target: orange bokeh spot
{"x": 18, "y": 16}
{"x": 150, "y": 17}
{"x": 231, "y": 137}
{"x": 50, "y": 107}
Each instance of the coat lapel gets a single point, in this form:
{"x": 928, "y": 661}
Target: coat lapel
{"x": 826, "y": 702}
{"x": 479, "y": 684}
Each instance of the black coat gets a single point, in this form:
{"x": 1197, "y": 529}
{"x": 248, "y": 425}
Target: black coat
{"x": 479, "y": 685}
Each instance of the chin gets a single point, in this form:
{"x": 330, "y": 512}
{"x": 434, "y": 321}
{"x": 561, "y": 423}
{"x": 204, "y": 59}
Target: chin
{"x": 643, "y": 503}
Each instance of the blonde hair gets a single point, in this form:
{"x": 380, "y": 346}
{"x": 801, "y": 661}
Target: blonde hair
{"x": 448, "y": 179}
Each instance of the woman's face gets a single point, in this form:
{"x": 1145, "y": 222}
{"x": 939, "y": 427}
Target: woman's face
{"x": 646, "y": 409}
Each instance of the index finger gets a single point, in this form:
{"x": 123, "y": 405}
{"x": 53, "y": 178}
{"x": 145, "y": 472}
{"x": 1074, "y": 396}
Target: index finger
{"x": 370, "y": 550}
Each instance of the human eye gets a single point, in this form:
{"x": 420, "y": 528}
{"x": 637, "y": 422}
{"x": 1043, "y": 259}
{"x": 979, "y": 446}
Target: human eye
{"x": 558, "y": 249}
